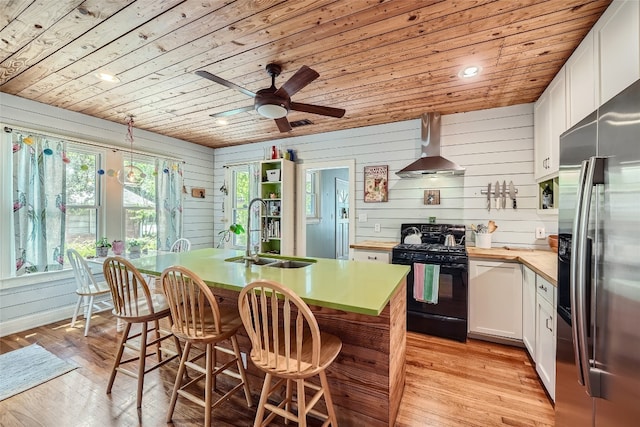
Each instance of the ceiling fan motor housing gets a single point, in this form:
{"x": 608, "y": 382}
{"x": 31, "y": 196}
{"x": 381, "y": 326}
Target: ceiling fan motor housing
{"x": 269, "y": 105}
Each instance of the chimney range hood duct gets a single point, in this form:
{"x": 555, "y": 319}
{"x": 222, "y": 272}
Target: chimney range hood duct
{"x": 430, "y": 162}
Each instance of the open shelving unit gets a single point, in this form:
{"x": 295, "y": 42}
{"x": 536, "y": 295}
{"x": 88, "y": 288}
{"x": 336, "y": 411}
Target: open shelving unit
{"x": 277, "y": 189}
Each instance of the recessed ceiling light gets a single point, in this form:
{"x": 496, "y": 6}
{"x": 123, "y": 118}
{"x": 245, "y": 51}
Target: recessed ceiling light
{"x": 470, "y": 71}
{"x": 107, "y": 77}
{"x": 222, "y": 122}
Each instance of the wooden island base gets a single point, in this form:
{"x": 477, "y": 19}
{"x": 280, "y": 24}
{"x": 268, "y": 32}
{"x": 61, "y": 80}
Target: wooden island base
{"x": 367, "y": 379}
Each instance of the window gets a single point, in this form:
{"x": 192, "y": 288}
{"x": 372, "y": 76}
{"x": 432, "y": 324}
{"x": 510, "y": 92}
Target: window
{"x": 139, "y": 201}
{"x": 244, "y": 187}
{"x": 82, "y": 192}
{"x": 56, "y": 187}
{"x": 312, "y": 185}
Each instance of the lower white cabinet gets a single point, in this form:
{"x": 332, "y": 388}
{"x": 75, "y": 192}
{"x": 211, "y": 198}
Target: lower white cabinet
{"x": 372, "y": 256}
{"x": 495, "y": 299}
{"x": 529, "y": 310}
{"x": 545, "y": 353}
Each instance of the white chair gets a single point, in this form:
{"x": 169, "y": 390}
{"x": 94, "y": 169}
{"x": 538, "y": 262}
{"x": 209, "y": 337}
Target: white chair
{"x": 87, "y": 289}
{"x": 181, "y": 245}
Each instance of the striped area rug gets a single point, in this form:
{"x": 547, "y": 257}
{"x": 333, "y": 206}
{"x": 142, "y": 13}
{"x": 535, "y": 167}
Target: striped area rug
{"x": 28, "y": 367}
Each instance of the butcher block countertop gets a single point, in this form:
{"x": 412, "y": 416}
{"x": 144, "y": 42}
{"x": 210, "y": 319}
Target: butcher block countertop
{"x": 544, "y": 263}
{"x": 372, "y": 245}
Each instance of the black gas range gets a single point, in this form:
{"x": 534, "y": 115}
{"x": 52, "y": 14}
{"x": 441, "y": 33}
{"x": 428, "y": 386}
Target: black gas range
{"x": 447, "y": 315}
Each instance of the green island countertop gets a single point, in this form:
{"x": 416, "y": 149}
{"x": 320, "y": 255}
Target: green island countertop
{"x": 358, "y": 287}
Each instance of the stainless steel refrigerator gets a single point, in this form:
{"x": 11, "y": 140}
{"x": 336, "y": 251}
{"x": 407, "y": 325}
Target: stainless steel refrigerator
{"x": 598, "y": 333}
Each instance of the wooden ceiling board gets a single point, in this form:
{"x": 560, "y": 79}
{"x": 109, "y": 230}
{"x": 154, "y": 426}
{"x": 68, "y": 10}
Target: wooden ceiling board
{"x": 382, "y": 61}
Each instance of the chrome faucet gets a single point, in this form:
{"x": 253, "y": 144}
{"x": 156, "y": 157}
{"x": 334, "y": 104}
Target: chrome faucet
{"x": 248, "y": 257}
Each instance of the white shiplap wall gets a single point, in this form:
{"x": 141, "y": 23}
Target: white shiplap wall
{"x": 42, "y": 299}
{"x": 494, "y": 144}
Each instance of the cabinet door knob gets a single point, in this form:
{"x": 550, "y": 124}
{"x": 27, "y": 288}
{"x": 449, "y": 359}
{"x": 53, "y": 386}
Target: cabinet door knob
{"x": 546, "y": 322}
{"x": 544, "y": 288}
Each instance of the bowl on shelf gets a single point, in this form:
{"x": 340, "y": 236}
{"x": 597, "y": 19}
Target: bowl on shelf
{"x": 553, "y": 242}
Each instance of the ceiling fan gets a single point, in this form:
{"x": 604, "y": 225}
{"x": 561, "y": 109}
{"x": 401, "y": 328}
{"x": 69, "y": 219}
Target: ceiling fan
{"x": 275, "y": 103}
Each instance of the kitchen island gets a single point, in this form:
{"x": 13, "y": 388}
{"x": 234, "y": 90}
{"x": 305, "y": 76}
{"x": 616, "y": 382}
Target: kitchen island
{"x": 362, "y": 303}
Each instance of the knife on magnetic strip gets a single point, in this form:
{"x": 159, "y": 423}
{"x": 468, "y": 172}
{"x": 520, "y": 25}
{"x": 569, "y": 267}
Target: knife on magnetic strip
{"x": 512, "y": 194}
{"x": 504, "y": 194}
{"x": 489, "y": 197}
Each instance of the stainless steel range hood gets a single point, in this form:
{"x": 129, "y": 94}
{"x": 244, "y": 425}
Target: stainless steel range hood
{"x": 430, "y": 162}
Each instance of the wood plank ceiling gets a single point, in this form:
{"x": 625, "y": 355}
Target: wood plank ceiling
{"x": 382, "y": 61}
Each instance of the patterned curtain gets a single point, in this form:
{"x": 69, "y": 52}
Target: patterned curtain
{"x": 169, "y": 202}
{"x": 39, "y": 203}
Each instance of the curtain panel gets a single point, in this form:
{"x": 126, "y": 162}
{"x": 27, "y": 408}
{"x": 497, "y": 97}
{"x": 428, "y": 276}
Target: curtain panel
{"x": 39, "y": 203}
{"x": 169, "y": 202}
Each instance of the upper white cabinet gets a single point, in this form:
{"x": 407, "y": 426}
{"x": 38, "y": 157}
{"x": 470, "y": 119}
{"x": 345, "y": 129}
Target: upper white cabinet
{"x": 550, "y": 120}
{"x": 617, "y": 47}
{"x": 495, "y": 299}
{"x": 582, "y": 81}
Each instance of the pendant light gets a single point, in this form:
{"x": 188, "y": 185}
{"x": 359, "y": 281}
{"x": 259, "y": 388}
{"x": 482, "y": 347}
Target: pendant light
{"x": 130, "y": 174}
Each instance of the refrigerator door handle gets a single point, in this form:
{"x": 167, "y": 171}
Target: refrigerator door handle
{"x": 577, "y": 265}
{"x": 594, "y": 176}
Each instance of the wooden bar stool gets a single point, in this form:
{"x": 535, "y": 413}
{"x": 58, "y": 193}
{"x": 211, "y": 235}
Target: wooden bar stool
{"x": 197, "y": 319}
{"x": 134, "y": 304}
{"x": 286, "y": 343}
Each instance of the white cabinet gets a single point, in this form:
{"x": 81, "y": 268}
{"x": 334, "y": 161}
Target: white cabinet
{"x": 545, "y": 354}
{"x": 617, "y": 47}
{"x": 372, "y": 256}
{"x": 495, "y": 299}
{"x": 529, "y": 309}
{"x": 550, "y": 120}
{"x": 278, "y": 219}
{"x": 582, "y": 81}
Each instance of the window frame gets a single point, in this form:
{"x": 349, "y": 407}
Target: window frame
{"x": 312, "y": 176}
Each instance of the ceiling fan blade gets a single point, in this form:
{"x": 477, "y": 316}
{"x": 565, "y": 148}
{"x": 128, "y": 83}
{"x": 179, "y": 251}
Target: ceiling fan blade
{"x": 232, "y": 112}
{"x": 318, "y": 109}
{"x": 283, "y": 124}
{"x": 300, "y": 79}
{"x": 223, "y": 82}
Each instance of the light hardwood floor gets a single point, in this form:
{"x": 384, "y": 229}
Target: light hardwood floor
{"x": 448, "y": 384}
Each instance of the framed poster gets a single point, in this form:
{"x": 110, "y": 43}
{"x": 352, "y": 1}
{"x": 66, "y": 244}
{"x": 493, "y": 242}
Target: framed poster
{"x": 376, "y": 183}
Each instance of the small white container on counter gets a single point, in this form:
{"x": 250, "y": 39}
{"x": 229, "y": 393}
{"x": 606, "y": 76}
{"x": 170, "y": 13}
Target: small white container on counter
{"x": 483, "y": 240}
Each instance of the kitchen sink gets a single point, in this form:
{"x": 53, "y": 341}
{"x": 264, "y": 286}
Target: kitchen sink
{"x": 275, "y": 262}
{"x": 288, "y": 264}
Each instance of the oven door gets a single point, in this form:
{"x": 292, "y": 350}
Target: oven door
{"x": 452, "y": 293}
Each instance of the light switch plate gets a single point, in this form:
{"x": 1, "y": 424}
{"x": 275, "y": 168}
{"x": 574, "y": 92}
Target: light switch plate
{"x": 362, "y": 217}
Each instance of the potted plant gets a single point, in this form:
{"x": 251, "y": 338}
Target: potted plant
{"x": 102, "y": 247}
{"x": 134, "y": 246}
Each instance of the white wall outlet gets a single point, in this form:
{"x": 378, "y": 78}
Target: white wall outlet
{"x": 376, "y": 228}
{"x": 540, "y": 233}
{"x": 362, "y": 217}
{"x": 244, "y": 359}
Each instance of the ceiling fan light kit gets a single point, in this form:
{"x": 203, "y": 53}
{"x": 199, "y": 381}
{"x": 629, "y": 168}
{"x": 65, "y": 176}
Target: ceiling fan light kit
{"x": 275, "y": 103}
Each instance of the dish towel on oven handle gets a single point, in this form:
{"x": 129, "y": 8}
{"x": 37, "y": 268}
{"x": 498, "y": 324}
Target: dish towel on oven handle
{"x": 426, "y": 282}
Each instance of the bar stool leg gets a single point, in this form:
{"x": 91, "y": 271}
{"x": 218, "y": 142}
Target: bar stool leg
{"x": 181, "y": 370}
{"x": 302, "y": 407}
{"x": 116, "y": 362}
{"x": 327, "y": 399}
{"x": 208, "y": 388}
{"x": 141, "y": 362}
